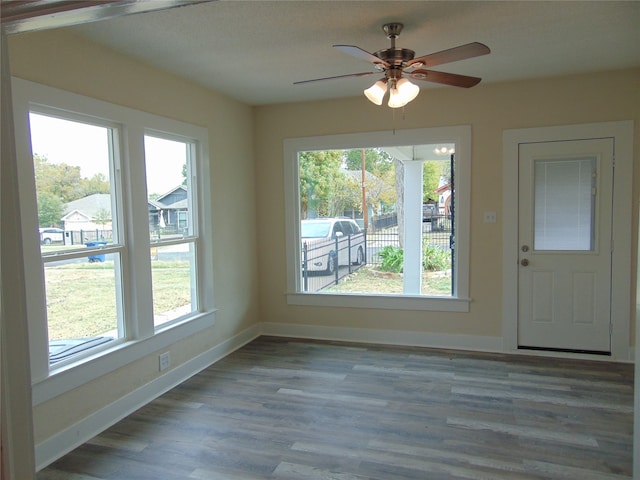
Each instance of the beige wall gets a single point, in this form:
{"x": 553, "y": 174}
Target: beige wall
{"x": 62, "y": 60}
{"x": 489, "y": 109}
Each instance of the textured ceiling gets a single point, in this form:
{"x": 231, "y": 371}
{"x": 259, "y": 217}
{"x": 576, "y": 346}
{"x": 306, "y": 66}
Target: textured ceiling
{"x": 254, "y": 50}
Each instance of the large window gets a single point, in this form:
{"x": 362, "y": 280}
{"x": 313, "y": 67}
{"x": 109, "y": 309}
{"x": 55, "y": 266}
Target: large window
{"x": 111, "y": 201}
{"x": 379, "y": 219}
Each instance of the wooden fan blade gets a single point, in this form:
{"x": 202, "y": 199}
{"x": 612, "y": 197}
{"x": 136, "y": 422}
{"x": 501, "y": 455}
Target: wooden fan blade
{"x": 337, "y": 76}
{"x": 452, "y": 79}
{"x": 454, "y": 54}
{"x": 361, "y": 54}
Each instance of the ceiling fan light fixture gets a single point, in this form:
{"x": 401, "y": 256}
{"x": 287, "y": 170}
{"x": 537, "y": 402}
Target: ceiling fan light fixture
{"x": 375, "y": 93}
{"x": 402, "y": 93}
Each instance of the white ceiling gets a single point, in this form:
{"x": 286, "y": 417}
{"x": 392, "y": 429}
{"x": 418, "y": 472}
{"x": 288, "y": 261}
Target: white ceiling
{"x": 254, "y": 50}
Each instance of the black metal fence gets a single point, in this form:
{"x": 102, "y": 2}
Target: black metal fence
{"x": 80, "y": 237}
{"x": 325, "y": 262}
{"x": 436, "y": 232}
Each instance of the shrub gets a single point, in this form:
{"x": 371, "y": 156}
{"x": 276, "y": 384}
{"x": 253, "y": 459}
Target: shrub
{"x": 392, "y": 259}
{"x": 435, "y": 258}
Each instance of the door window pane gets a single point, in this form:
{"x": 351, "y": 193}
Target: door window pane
{"x": 564, "y": 205}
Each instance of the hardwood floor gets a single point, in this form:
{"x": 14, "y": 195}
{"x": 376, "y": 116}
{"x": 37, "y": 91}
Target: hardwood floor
{"x": 297, "y": 409}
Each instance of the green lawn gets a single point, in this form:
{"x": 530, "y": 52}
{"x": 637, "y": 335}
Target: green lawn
{"x": 370, "y": 280}
{"x": 81, "y": 299}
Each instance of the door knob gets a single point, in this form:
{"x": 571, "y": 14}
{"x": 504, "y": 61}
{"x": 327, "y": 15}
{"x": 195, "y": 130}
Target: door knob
{"x": 524, "y": 262}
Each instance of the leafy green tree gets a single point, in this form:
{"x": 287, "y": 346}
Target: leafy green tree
{"x": 377, "y": 161}
{"x": 320, "y": 180}
{"x": 184, "y": 174}
{"x": 380, "y": 181}
{"x": 50, "y": 209}
{"x": 102, "y": 217}
{"x": 96, "y": 184}
{"x": 431, "y": 173}
{"x": 62, "y": 180}
{"x": 60, "y": 183}
{"x": 65, "y": 181}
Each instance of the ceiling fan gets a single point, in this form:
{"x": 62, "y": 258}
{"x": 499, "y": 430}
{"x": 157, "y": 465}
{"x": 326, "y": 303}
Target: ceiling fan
{"x": 399, "y": 64}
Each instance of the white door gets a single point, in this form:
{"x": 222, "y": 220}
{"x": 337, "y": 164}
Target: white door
{"x": 564, "y": 235}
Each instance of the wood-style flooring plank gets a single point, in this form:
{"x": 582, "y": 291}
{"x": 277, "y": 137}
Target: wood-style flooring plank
{"x": 296, "y": 409}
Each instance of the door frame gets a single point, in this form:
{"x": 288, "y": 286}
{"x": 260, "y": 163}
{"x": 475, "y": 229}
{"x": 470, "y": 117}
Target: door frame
{"x": 622, "y": 233}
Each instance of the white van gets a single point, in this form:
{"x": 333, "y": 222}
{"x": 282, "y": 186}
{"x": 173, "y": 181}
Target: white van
{"x": 330, "y": 242}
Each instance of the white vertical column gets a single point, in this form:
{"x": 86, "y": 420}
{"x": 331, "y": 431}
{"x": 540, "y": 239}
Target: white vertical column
{"x": 412, "y": 228}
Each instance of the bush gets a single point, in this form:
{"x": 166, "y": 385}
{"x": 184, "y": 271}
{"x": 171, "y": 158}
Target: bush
{"x": 435, "y": 258}
{"x": 392, "y": 259}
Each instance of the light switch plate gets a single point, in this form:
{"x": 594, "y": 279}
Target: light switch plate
{"x": 490, "y": 217}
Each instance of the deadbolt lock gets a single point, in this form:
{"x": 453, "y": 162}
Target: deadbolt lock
{"x": 525, "y": 248}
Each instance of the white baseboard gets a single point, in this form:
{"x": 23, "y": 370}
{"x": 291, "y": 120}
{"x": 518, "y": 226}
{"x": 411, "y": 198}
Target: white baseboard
{"x": 387, "y": 337}
{"x": 75, "y": 435}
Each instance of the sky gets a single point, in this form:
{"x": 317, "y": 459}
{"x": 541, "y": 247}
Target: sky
{"x": 86, "y": 146}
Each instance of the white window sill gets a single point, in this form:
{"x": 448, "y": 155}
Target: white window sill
{"x": 391, "y": 302}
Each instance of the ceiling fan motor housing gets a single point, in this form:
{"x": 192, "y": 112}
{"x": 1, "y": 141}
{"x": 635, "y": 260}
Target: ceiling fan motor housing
{"x": 395, "y": 57}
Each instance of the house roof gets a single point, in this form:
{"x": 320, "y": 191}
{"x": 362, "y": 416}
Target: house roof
{"x": 89, "y": 206}
{"x": 214, "y": 43}
{"x": 169, "y": 192}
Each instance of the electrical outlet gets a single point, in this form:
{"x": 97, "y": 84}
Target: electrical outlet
{"x": 165, "y": 360}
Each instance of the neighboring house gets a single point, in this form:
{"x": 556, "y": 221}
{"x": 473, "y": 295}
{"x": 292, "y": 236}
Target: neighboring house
{"x": 92, "y": 212}
{"x": 169, "y": 210}
{"x": 444, "y": 198}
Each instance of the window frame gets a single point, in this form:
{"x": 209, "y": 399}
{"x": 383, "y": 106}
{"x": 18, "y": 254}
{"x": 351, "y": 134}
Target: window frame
{"x": 458, "y": 135}
{"x": 140, "y": 336}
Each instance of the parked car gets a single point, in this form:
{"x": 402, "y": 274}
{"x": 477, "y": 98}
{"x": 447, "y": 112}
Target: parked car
{"x": 429, "y": 212}
{"x": 50, "y": 235}
{"x": 322, "y": 235}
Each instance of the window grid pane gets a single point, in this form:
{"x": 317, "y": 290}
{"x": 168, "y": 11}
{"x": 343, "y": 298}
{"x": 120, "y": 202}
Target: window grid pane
{"x": 174, "y": 287}
{"x": 564, "y": 208}
{"x": 168, "y": 167}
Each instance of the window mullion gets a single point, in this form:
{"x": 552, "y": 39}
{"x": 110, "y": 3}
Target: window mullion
{"x": 138, "y": 305}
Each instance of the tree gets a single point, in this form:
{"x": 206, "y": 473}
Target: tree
{"x": 380, "y": 183}
{"x": 377, "y": 161}
{"x": 102, "y": 217}
{"x": 96, "y": 184}
{"x": 50, "y": 209}
{"x": 320, "y": 179}
{"x": 65, "y": 181}
{"x": 184, "y": 174}
{"x": 61, "y": 180}
{"x": 431, "y": 173}
{"x": 60, "y": 183}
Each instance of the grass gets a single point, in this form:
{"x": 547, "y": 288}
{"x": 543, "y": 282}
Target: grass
{"x": 370, "y": 280}
{"x": 81, "y": 299}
